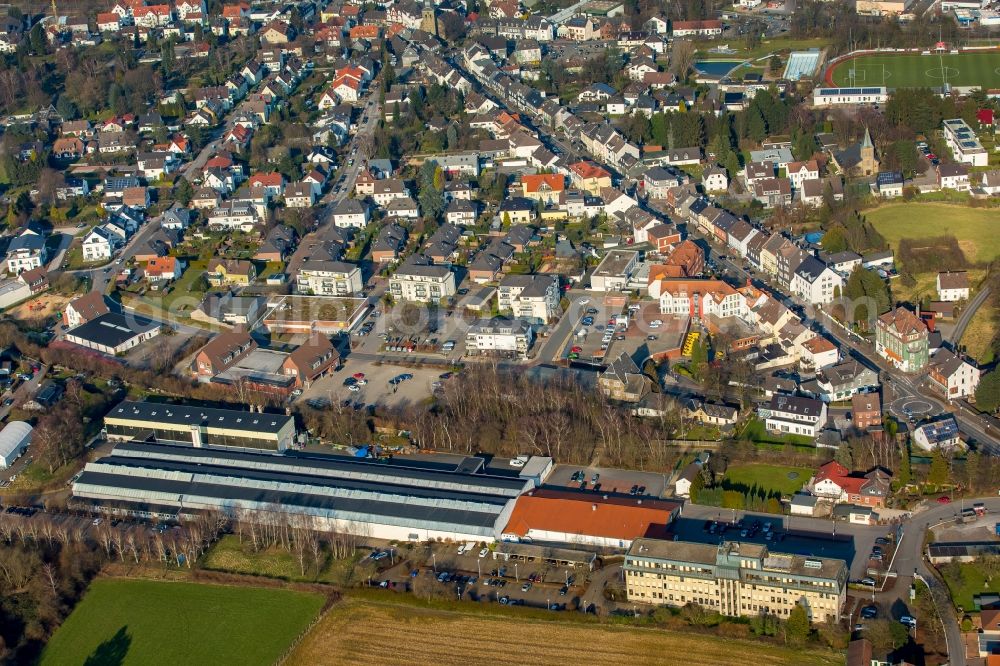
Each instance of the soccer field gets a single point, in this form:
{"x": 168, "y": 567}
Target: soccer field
{"x": 918, "y": 71}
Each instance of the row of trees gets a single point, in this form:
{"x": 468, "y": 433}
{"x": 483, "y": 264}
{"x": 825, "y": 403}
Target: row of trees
{"x": 46, "y": 564}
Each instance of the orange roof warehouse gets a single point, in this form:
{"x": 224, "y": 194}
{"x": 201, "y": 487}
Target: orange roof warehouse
{"x": 585, "y": 518}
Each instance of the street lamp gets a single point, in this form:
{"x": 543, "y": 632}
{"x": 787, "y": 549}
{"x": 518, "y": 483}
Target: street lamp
{"x": 434, "y": 559}
{"x": 516, "y": 579}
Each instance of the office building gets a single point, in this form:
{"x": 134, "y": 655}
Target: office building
{"x": 733, "y": 578}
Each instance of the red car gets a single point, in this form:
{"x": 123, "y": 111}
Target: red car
{"x": 576, "y": 350}
{"x": 944, "y": 500}
{"x": 358, "y": 375}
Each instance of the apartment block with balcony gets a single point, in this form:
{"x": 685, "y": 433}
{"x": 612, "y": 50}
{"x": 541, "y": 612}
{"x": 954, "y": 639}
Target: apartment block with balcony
{"x": 323, "y": 277}
{"x": 533, "y": 298}
{"x": 418, "y": 279}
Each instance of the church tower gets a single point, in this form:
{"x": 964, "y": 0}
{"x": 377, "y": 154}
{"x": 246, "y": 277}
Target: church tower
{"x": 428, "y": 18}
{"x": 868, "y": 164}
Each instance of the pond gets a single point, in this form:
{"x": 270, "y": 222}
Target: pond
{"x": 716, "y": 67}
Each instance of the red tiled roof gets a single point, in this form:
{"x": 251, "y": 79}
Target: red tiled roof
{"x": 534, "y": 182}
{"x": 588, "y": 170}
{"x": 583, "y": 513}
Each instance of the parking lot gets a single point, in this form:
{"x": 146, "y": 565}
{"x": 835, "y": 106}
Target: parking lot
{"x": 377, "y": 388}
{"x": 472, "y": 573}
{"x": 607, "y": 479}
{"x": 411, "y": 332}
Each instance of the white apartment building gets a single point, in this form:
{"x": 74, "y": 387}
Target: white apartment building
{"x": 963, "y": 143}
{"x": 794, "y": 415}
{"x": 735, "y": 579}
{"x": 533, "y": 298}
{"x": 417, "y": 279}
{"x": 815, "y": 282}
{"x": 26, "y": 251}
{"x": 99, "y": 245}
{"x": 324, "y": 277}
{"x": 502, "y": 336}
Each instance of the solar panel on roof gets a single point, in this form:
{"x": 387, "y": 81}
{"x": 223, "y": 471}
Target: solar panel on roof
{"x": 871, "y": 91}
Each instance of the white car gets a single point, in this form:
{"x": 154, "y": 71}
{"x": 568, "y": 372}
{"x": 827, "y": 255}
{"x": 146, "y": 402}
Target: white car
{"x": 484, "y": 552}
{"x": 354, "y": 388}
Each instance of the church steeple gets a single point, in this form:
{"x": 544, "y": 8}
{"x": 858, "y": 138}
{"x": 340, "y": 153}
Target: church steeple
{"x": 867, "y": 143}
{"x": 428, "y": 19}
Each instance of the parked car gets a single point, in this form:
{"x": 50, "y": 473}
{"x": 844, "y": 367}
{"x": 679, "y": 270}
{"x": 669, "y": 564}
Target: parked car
{"x": 909, "y": 621}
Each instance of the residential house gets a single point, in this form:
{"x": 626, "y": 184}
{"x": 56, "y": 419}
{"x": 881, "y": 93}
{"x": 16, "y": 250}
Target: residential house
{"x": 840, "y": 382}
{"x": 161, "y": 270}
{"x": 773, "y": 192}
{"x": 86, "y": 308}
{"x": 461, "y": 212}
{"x": 835, "y": 482}
{"x": 942, "y": 433}
{"x": 389, "y": 243}
{"x": 953, "y": 286}
{"x": 299, "y": 195}
{"x": 350, "y": 213}
{"x": 798, "y": 172}
{"x": 544, "y": 188}
{"x": 889, "y": 184}
{"x": 311, "y": 360}
{"x": 902, "y": 338}
{"x": 99, "y": 245}
{"x": 710, "y": 413}
{"x": 230, "y": 272}
{"x": 815, "y": 282}
{"x": 953, "y": 375}
{"x": 794, "y": 415}
{"x": 866, "y": 410}
{"x": 953, "y": 177}
{"x": 222, "y": 352}
{"x": 624, "y": 381}
{"x": 715, "y": 179}
{"x": 27, "y": 250}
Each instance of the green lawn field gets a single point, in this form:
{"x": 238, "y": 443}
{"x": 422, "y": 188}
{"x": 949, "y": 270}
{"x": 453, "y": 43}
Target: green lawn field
{"x": 147, "y": 623}
{"x": 975, "y": 228}
{"x": 919, "y": 71}
{"x": 769, "y": 477}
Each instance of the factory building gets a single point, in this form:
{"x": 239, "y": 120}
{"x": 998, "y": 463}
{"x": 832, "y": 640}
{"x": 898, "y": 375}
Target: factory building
{"x": 402, "y": 498}
{"x": 199, "y": 426}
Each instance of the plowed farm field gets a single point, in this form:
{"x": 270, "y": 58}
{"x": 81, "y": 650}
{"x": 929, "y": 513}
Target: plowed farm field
{"x": 362, "y": 631}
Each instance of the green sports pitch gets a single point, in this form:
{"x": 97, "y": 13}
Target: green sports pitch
{"x": 980, "y": 69}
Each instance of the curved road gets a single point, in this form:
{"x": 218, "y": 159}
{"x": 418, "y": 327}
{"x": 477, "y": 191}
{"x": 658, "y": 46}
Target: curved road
{"x": 966, "y": 317}
{"x": 907, "y": 561}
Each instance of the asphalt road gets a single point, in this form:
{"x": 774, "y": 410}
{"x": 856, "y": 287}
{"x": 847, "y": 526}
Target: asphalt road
{"x": 966, "y": 317}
